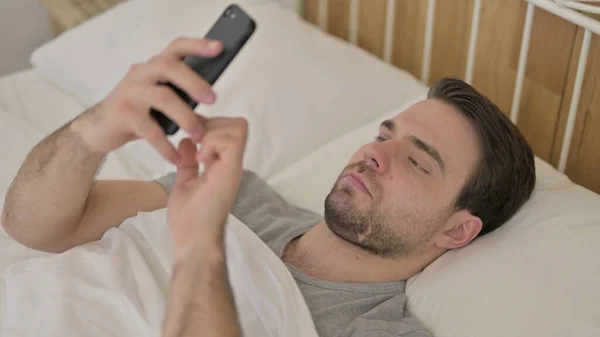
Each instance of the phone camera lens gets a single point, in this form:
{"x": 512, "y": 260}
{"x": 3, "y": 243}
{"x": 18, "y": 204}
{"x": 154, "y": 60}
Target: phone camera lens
{"x": 229, "y": 13}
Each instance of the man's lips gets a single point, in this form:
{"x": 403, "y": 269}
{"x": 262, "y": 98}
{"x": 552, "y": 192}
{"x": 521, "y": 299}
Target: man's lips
{"x": 358, "y": 182}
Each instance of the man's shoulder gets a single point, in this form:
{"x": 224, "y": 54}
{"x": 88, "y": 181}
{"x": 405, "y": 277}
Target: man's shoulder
{"x": 268, "y": 214}
{"x": 256, "y": 198}
{"x": 255, "y": 189}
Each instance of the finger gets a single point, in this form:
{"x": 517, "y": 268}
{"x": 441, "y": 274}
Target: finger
{"x": 185, "y": 46}
{"x": 164, "y": 99}
{"x": 233, "y": 127}
{"x": 219, "y": 122}
{"x": 207, "y": 154}
{"x": 197, "y": 137}
{"x": 187, "y": 167}
{"x": 170, "y": 69}
{"x": 149, "y": 130}
{"x": 228, "y": 123}
{"x": 222, "y": 148}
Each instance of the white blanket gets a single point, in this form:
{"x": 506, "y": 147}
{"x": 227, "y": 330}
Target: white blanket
{"x": 118, "y": 286}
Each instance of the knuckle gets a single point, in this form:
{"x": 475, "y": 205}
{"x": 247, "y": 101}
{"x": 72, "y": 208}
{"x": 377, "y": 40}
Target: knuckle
{"x": 188, "y": 122}
{"x": 165, "y": 95}
{"x": 242, "y": 127}
{"x": 242, "y": 122}
{"x": 126, "y": 88}
{"x": 165, "y": 64}
{"x": 154, "y": 135}
{"x": 178, "y": 41}
{"x": 154, "y": 59}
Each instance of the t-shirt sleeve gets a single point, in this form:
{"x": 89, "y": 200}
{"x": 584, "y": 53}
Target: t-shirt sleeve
{"x": 167, "y": 182}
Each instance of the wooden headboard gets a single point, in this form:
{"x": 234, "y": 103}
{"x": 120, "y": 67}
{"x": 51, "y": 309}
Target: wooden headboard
{"x": 549, "y": 78}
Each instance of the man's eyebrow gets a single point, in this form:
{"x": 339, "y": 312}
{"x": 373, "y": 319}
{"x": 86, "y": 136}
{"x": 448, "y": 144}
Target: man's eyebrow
{"x": 419, "y": 143}
{"x": 430, "y": 150}
{"x": 388, "y": 124}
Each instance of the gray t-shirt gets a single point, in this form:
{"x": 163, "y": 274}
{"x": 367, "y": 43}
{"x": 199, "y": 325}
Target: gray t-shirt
{"x": 338, "y": 309}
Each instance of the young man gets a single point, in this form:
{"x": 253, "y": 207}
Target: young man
{"x": 448, "y": 169}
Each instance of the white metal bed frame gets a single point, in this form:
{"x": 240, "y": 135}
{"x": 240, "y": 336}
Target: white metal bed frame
{"x": 566, "y": 9}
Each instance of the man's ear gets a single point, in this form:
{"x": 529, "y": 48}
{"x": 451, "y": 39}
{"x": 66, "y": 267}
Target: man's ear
{"x": 459, "y": 231}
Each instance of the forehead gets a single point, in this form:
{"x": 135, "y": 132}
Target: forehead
{"x": 448, "y": 130}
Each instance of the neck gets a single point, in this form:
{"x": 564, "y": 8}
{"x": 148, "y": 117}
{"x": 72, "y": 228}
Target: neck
{"x": 322, "y": 254}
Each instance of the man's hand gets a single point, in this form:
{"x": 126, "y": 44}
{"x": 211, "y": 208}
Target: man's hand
{"x": 199, "y": 204}
{"x": 201, "y": 301}
{"x": 57, "y": 177}
{"x": 125, "y": 114}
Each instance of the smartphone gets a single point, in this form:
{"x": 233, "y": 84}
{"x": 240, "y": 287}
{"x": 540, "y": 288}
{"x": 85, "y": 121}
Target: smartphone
{"x": 233, "y": 28}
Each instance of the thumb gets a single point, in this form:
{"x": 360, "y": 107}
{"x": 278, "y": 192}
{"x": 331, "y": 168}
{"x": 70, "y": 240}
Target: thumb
{"x": 187, "y": 166}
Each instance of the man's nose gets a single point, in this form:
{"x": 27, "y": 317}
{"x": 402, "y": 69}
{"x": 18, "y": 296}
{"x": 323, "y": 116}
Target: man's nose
{"x": 376, "y": 159}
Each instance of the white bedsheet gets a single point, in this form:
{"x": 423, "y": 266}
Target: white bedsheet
{"x": 118, "y": 285}
{"x": 25, "y": 104}
{"x": 110, "y": 288}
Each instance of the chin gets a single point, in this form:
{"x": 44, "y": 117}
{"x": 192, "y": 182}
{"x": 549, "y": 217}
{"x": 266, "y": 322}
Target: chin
{"x": 343, "y": 216}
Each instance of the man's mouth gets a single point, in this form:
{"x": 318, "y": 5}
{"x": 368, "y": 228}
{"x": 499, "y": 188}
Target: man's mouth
{"x": 357, "y": 181}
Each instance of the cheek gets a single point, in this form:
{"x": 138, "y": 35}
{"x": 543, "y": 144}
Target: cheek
{"x": 402, "y": 184}
{"x": 410, "y": 194}
{"x": 400, "y": 195}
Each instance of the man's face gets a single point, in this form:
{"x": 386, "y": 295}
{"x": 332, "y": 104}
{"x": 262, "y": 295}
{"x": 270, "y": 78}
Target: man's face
{"x": 398, "y": 192}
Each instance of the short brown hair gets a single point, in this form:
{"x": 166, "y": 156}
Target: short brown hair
{"x": 504, "y": 178}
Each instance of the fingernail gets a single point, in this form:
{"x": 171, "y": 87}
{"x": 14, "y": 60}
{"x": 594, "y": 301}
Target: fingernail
{"x": 208, "y": 96}
{"x": 214, "y": 44}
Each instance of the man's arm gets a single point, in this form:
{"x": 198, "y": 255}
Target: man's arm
{"x": 201, "y": 300}
{"x": 54, "y": 203}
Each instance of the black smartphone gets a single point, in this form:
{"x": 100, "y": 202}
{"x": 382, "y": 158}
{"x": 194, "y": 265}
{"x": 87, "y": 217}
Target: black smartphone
{"x": 233, "y": 28}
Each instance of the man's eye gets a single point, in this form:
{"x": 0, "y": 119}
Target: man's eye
{"x": 380, "y": 139}
{"x": 417, "y": 165}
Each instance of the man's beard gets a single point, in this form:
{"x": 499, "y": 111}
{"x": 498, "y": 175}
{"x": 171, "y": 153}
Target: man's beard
{"x": 369, "y": 229}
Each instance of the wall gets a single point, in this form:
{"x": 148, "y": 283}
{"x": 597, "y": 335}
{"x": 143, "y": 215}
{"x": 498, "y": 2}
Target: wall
{"x": 24, "y": 26}
{"x": 552, "y": 64}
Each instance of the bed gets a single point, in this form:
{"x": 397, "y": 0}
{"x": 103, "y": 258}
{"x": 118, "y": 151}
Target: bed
{"x": 536, "y": 276}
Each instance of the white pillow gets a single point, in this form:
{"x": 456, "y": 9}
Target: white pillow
{"x": 307, "y": 181}
{"x": 298, "y": 87}
{"x": 537, "y": 275}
